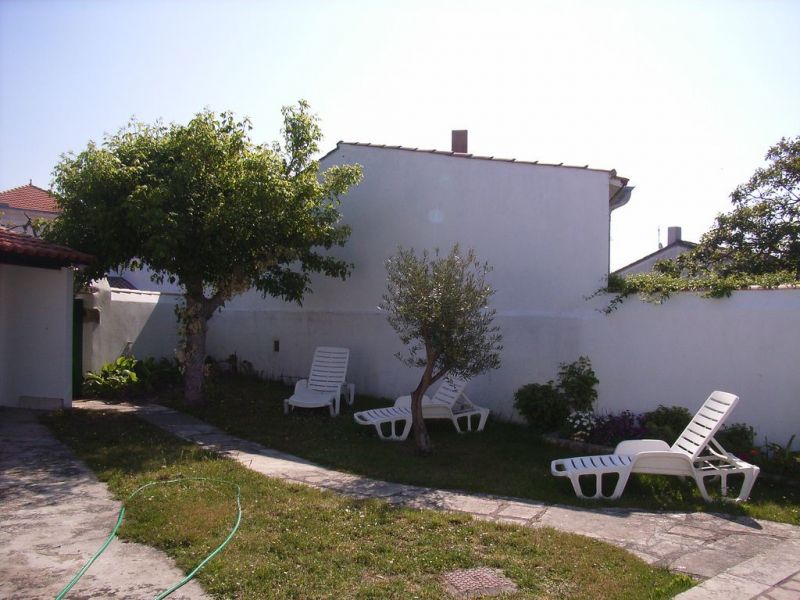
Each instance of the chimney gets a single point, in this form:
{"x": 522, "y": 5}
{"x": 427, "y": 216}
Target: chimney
{"x": 459, "y": 141}
{"x": 673, "y": 235}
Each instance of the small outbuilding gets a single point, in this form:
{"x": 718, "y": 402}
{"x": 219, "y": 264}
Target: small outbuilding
{"x": 36, "y": 321}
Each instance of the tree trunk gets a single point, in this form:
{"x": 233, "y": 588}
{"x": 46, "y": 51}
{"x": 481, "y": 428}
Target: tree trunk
{"x": 195, "y": 325}
{"x": 421, "y": 437}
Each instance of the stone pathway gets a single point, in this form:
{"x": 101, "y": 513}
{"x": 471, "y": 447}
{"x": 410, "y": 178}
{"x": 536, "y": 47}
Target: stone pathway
{"x": 54, "y": 515}
{"x": 738, "y": 557}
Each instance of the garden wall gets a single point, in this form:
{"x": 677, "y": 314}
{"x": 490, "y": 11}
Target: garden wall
{"x": 644, "y": 354}
{"x": 119, "y": 320}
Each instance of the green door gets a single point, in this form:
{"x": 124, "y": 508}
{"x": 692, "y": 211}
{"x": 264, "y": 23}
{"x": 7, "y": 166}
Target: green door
{"x": 77, "y": 347}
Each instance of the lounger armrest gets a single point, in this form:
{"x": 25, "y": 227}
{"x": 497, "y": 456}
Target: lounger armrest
{"x": 301, "y": 385}
{"x": 631, "y": 447}
{"x": 662, "y": 462}
{"x": 405, "y": 401}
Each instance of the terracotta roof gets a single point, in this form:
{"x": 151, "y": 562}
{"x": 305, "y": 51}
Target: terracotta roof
{"x": 29, "y": 197}
{"x": 611, "y": 172}
{"x": 18, "y": 248}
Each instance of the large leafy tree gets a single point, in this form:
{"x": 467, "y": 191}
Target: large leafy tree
{"x": 762, "y": 233}
{"x": 202, "y": 205}
{"x": 438, "y": 306}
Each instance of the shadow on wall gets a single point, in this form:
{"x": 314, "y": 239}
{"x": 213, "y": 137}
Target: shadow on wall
{"x": 127, "y": 321}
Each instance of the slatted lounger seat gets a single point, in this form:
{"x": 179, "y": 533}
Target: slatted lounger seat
{"x": 695, "y": 454}
{"x": 325, "y": 384}
{"x": 450, "y": 402}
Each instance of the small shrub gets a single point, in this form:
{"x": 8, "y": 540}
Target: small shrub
{"x": 610, "y": 430}
{"x": 155, "y": 375}
{"x": 577, "y": 382}
{"x": 113, "y": 378}
{"x": 781, "y": 459}
{"x": 738, "y": 439}
{"x": 544, "y": 407}
{"x": 666, "y": 422}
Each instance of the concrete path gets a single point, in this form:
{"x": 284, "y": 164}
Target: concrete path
{"x": 738, "y": 557}
{"x": 54, "y": 515}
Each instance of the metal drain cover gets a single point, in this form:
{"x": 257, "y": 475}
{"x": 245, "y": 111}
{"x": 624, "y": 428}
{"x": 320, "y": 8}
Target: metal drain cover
{"x": 481, "y": 581}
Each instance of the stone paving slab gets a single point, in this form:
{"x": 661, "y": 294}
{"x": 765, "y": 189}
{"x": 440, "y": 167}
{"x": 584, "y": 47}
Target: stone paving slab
{"x": 54, "y": 515}
{"x": 734, "y": 554}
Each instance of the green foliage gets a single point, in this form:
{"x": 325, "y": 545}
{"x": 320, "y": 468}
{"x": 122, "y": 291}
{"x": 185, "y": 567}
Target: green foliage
{"x": 782, "y": 459}
{"x": 665, "y": 422}
{"x": 762, "y": 233}
{"x": 113, "y": 378}
{"x": 544, "y": 407}
{"x": 547, "y": 406}
{"x": 577, "y": 382}
{"x": 202, "y": 205}
{"x": 656, "y": 287}
{"x": 157, "y": 374}
{"x": 756, "y": 244}
{"x": 737, "y": 438}
{"x": 127, "y": 377}
{"x": 439, "y": 307}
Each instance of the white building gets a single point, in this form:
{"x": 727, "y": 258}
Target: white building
{"x": 36, "y": 317}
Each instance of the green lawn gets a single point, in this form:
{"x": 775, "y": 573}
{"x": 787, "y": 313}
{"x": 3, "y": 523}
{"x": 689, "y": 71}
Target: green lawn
{"x": 297, "y": 542}
{"x": 505, "y": 459}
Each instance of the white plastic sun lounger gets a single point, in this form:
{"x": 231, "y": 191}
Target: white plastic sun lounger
{"x": 695, "y": 454}
{"x": 325, "y": 384}
{"x": 450, "y": 402}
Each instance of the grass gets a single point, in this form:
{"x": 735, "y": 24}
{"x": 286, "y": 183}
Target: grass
{"x": 296, "y": 542}
{"x": 505, "y": 459}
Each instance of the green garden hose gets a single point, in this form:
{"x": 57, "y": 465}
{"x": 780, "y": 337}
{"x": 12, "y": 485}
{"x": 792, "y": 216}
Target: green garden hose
{"x": 200, "y": 565}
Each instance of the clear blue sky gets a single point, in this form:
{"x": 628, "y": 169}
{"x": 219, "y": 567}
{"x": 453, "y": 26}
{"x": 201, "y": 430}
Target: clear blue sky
{"x": 684, "y": 98}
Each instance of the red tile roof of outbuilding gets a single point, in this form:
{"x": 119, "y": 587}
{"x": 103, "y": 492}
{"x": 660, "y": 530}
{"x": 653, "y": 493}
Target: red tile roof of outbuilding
{"x": 16, "y": 247}
{"x": 29, "y": 197}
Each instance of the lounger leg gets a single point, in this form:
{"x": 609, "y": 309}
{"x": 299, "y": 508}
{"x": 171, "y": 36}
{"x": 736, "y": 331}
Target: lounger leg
{"x": 621, "y": 483}
{"x": 286, "y": 407}
{"x": 701, "y": 485}
{"x": 482, "y": 422}
{"x": 406, "y": 429}
{"x": 750, "y": 476}
{"x": 334, "y": 406}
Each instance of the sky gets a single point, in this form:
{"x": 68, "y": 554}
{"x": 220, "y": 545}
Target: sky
{"x": 682, "y": 98}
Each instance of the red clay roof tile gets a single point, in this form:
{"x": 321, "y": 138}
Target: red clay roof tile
{"x": 17, "y": 245}
{"x": 29, "y": 197}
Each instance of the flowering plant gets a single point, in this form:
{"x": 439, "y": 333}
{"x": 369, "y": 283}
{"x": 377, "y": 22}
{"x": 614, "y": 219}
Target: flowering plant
{"x": 579, "y": 425}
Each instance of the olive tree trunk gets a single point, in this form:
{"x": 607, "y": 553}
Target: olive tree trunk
{"x": 421, "y": 437}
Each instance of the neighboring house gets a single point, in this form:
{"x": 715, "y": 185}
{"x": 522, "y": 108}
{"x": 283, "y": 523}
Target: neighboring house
{"x": 674, "y": 248}
{"x": 36, "y": 321}
{"x": 544, "y": 228}
{"x": 21, "y": 205}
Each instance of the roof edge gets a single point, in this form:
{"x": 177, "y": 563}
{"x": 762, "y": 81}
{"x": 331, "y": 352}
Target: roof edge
{"x": 611, "y": 172}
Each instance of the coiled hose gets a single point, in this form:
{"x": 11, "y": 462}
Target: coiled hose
{"x": 121, "y": 515}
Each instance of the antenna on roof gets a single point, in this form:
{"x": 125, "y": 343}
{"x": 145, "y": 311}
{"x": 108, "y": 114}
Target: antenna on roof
{"x": 660, "y": 245}
{"x": 30, "y": 181}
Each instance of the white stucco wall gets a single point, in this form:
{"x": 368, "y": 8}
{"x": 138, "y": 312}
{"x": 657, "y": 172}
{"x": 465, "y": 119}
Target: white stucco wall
{"x": 678, "y": 352}
{"x": 36, "y": 337}
{"x": 146, "y": 320}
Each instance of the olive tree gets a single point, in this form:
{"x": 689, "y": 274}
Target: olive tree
{"x": 203, "y": 206}
{"x": 439, "y": 307}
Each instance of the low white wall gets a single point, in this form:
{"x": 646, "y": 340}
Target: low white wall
{"x": 116, "y": 318}
{"x": 644, "y": 355}
{"x": 678, "y": 352}
{"x": 36, "y": 337}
